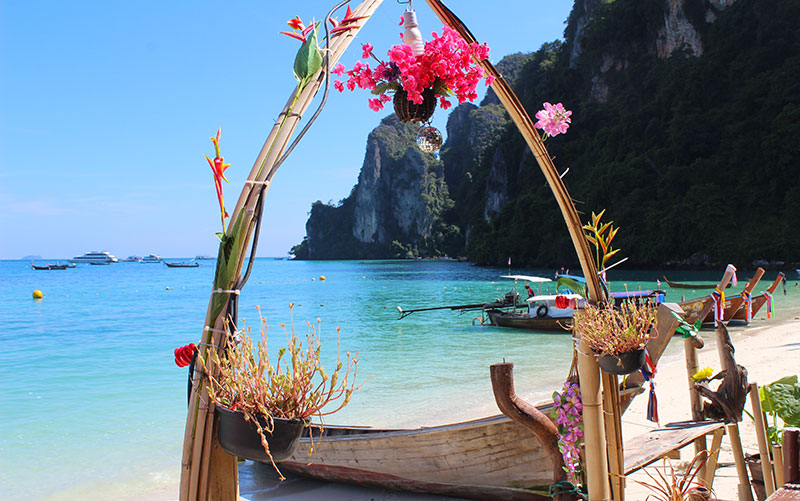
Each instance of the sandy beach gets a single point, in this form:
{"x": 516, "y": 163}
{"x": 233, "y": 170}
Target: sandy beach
{"x": 769, "y": 349}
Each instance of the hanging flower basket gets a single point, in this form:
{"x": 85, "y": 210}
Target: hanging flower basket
{"x": 240, "y": 438}
{"x": 409, "y": 111}
{"x": 623, "y": 363}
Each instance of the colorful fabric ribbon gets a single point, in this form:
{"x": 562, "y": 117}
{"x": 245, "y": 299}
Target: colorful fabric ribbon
{"x": 770, "y": 305}
{"x": 719, "y": 305}
{"x": 748, "y": 306}
{"x": 734, "y": 280}
{"x": 648, "y": 373}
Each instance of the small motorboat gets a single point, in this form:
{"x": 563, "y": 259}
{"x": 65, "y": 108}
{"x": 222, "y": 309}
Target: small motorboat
{"x": 51, "y": 267}
{"x": 182, "y": 265}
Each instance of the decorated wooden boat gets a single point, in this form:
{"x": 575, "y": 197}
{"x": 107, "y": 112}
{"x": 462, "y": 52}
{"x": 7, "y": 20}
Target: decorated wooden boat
{"x": 741, "y": 315}
{"x": 681, "y": 285}
{"x": 735, "y": 302}
{"x": 700, "y": 308}
{"x": 488, "y": 458}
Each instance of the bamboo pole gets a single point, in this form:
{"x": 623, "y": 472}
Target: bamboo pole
{"x": 761, "y": 436}
{"x": 745, "y": 492}
{"x": 613, "y": 429}
{"x": 791, "y": 452}
{"x": 713, "y": 458}
{"x": 588, "y": 370}
{"x": 197, "y": 457}
{"x": 777, "y": 455}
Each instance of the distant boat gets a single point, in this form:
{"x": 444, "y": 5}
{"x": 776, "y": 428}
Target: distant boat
{"x": 132, "y": 259}
{"x": 198, "y": 258}
{"x": 95, "y": 257}
{"x": 100, "y": 263}
{"x": 50, "y": 267}
{"x": 181, "y": 265}
{"x": 680, "y": 285}
{"x": 151, "y": 258}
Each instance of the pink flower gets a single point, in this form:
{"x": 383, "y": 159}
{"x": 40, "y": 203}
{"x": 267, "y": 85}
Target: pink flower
{"x": 366, "y": 51}
{"x": 553, "y": 119}
{"x": 375, "y": 104}
{"x": 384, "y": 98}
{"x": 444, "y": 103}
{"x": 338, "y": 70}
{"x": 338, "y": 85}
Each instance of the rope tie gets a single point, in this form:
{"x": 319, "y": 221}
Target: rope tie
{"x": 566, "y": 487}
{"x": 288, "y": 115}
{"x": 226, "y": 291}
{"x": 211, "y": 329}
{"x": 255, "y": 181}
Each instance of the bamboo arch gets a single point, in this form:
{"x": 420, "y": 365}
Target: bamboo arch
{"x": 207, "y": 472}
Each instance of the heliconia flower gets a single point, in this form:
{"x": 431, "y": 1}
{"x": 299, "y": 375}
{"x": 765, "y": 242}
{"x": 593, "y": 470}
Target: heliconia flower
{"x": 218, "y": 167}
{"x": 338, "y": 70}
{"x": 296, "y": 24}
{"x": 553, "y": 119}
{"x": 366, "y": 51}
{"x": 345, "y": 24}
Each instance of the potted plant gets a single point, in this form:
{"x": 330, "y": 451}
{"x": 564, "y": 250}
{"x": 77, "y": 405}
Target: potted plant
{"x": 617, "y": 335}
{"x": 263, "y": 406}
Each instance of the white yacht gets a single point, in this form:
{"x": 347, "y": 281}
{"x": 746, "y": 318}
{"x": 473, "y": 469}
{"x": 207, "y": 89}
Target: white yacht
{"x": 151, "y": 258}
{"x": 103, "y": 257}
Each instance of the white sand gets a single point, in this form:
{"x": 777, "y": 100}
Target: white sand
{"x": 768, "y": 350}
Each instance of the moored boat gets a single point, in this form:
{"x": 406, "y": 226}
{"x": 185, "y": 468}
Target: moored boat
{"x": 181, "y": 265}
{"x": 734, "y": 302}
{"x": 50, "y": 267}
{"x": 151, "y": 258}
{"x": 699, "y": 308}
{"x": 95, "y": 257}
{"x": 681, "y": 285}
{"x": 757, "y": 302}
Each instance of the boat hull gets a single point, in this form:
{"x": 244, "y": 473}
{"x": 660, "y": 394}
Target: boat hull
{"x": 491, "y": 458}
{"x": 522, "y": 321}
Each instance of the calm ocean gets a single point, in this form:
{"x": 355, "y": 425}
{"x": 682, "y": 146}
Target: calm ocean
{"x": 93, "y": 406}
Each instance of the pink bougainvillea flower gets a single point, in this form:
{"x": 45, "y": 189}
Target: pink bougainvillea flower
{"x": 338, "y": 70}
{"x": 553, "y": 119}
{"x": 375, "y": 104}
{"x": 366, "y": 51}
{"x": 338, "y": 85}
{"x": 218, "y": 167}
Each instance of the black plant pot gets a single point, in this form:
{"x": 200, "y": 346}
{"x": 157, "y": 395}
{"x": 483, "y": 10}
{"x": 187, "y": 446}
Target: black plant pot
{"x": 624, "y": 363}
{"x": 409, "y": 111}
{"x": 240, "y": 438}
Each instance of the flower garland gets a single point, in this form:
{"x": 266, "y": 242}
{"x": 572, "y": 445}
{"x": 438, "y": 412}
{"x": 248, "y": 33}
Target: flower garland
{"x": 567, "y": 410}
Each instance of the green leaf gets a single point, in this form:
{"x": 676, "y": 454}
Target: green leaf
{"x": 573, "y": 285}
{"x": 785, "y": 395}
{"x": 383, "y": 87}
{"x": 308, "y": 59}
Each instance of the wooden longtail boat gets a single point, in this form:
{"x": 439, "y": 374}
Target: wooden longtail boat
{"x": 696, "y": 309}
{"x": 680, "y": 285}
{"x": 182, "y": 265}
{"x": 735, "y": 302}
{"x": 757, "y": 302}
{"x": 488, "y": 458}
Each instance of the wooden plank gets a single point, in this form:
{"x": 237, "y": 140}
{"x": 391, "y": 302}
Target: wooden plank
{"x": 655, "y": 444}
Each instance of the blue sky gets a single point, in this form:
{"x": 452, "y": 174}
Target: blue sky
{"x": 106, "y": 109}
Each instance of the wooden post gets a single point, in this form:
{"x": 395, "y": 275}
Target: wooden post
{"x": 689, "y": 345}
{"x": 530, "y": 417}
{"x": 613, "y": 429}
{"x": 761, "y": 436}
{"x": 791, "y": 455}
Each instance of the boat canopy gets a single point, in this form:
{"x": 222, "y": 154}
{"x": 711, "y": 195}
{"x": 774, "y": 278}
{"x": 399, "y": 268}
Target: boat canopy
{"x": 529, "y": 278}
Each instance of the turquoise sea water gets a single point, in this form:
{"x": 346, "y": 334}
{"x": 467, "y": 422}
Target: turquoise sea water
{"x": 92, "y": 404}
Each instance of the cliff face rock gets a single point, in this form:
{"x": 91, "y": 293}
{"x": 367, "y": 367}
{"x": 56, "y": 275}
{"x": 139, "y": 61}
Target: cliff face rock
{"x": 394, "y": 209}
{"x": 496, "y": 186}
{"x": 677, "y": 32}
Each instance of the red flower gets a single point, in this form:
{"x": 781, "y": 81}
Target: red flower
{"x": 218, "y": 167}
{"x": 346, "y": 24}
{"x": 296, "y": 24}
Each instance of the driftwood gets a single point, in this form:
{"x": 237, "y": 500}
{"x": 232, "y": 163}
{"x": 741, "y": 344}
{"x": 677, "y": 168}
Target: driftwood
{"x": 530, "y": 417}
{"x": 727, "y": 402}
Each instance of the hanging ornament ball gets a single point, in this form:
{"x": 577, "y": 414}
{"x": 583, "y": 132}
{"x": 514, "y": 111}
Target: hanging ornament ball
{"x": 429, "y": 139}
